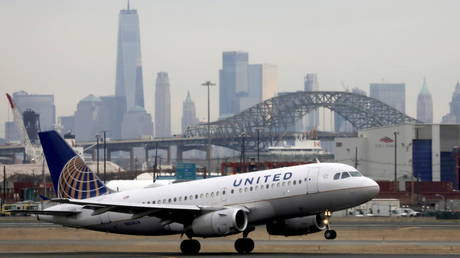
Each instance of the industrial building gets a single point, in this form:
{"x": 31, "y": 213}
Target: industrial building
{"x": 421, "y": 152}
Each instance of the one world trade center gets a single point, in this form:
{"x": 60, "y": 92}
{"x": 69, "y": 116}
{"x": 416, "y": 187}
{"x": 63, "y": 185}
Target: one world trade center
{"x": 129, "y": 81}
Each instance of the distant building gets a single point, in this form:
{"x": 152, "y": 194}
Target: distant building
{"x": 262, "y": 85}
{"x": 311, "y": 120}
{"x": 233, "y": 82}
{"x": 393, "y": 94}
{"x": 111, "y": 115}
{"x": 425, "y": 105}
{"x": 340, "y": 123}
{"x": 453, "y": 117}
{"x": 67, "y": 124}
{"x": 188, "y": 113}
{"x": 137, "y": 123}
{"x": 87, "y": 118}
{"x": 41, "y": 104}
{"x": 162, "y": 106}
{"x": 12, "y": 132}
{"x": 129, "y": 82}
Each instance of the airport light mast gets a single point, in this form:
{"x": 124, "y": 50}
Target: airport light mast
{"x": 208, "y": 149}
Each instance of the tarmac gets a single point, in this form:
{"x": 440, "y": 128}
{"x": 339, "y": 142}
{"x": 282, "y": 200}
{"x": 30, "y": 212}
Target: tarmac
{"x": 368, "y": 237}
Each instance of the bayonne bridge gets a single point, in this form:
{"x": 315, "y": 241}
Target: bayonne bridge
{"x": 264, "y": 124}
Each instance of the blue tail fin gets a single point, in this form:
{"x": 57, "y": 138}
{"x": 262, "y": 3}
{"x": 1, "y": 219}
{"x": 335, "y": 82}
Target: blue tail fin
{"x": 71, "y": 177}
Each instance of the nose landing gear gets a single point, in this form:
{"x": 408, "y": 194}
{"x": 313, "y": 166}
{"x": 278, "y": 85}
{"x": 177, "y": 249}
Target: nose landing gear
{"x": 329, "y": 233}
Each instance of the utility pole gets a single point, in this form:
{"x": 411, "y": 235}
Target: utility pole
{"x": 105, "y": 155}
{"x": 396, "y": 160}
{"x": 97, "y": 154}
{"x": 356, "y": 157}
{"x": 4, "y": 186}
{"x": 208, "y": 152}
{"x": 155, "y": 164}
{"x": 242, "y": 161}
{"x": 258, "y": 141}
{"x": 44, "y": 182}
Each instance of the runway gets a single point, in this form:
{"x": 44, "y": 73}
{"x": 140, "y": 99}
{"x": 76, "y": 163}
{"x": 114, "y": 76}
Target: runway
{"x": 259, "y": 255}
{"x": 369, "y": 238}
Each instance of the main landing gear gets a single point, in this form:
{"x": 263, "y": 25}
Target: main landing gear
{"x": 245, "y": 245}
{"x": 190, "y": 246}
{"x": 329, "y": 233}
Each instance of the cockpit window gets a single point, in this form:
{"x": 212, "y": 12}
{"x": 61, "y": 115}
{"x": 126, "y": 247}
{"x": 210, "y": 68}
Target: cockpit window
{"x": 355, "y": 173}
{"x": 337, "y": 176}
{"x": 345, "y": 175}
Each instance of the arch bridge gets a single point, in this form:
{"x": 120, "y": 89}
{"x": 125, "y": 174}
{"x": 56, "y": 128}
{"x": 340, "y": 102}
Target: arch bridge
{"x": 273, "y": 117}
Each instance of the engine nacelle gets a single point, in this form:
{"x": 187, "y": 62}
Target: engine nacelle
{"x": 220, "y": 223}
{"x": 297, "y": 226}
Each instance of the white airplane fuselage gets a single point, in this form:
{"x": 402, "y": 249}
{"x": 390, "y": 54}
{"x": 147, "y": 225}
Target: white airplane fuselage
{"x": 267, "y": 195}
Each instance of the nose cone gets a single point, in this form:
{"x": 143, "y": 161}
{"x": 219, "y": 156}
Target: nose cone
{"x": 372, "y": 188}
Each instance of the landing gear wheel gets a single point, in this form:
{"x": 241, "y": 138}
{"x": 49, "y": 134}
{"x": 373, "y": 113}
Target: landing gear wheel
{"x": 330, "y": 234}
{"x": 244, "y": 245}
{"x": 190, "y": 246}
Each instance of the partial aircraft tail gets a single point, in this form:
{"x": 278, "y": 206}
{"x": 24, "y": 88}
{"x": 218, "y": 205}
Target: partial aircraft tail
{"x": 71, "y": 177}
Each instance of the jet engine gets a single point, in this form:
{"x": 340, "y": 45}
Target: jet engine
{"x": 297, "y": 226}
{"x": 220, "y": 223}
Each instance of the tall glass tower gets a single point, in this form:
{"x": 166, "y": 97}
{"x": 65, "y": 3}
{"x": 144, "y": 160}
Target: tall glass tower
{"x": 129, "y": 81}
{"x": 233, "y": 82}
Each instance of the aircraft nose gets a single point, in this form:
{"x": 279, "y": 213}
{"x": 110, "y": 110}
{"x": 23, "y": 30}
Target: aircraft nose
{"x": 372, "y": 187}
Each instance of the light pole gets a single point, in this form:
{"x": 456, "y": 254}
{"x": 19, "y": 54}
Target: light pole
{"x": 242, "y": 153}
{"x": 258, "y": 148}
{"x": 97, "y": 154}
{"x": 443, "y": 199}
{"x": 208, "y": 152}
{"x": 396, "y": 159}
{"x": 105, "y": 155}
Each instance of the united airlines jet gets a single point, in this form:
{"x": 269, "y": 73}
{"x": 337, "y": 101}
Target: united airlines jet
{"x": 289, "y": 201}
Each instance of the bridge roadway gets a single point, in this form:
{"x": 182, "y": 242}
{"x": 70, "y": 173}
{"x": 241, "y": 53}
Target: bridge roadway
{"x": 182, "y": 144}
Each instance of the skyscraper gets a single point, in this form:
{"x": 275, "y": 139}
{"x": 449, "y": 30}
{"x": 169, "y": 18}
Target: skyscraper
{"x": 233, "y": 82}
{"x": 311, "y": 84}
{"x": 136, "y": 123}
{"x": 162, "y": 106}
{"x": 393, "y": 94}
{"x": 342, "y": 125}
{"x": 453, "y": 117}
{"x": 86, "y": 118}
{"x": 424, "y": 105}
{"x": 129, "y": 82}
{"x": 188, "y": 113}
{"x": 262, "y": 85}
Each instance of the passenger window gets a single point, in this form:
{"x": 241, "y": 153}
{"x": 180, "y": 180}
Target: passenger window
{"x": 201, "y": 195}
{"x": 278, "y": 185}
{"x": 337, "y": 176}
{"x": 289, "y": 183}
{"x": 185, "y": 198}
{"x": 232, "y": 191}
{"x": 250, "y": 188}
{"x": 267, "y": 186}
{"x": 153, "y": 202}
{"x": 300, "y": 181}
{"x": 196, "y": 196}
{"x": 294, "y": 182}
{"x": 241, "y": 190}
{"x": 212, "y": 195}
{"x": 174, "y": 199}
{"x": 207, "y": 195}
{"x": 257, "y": 187}
{"x": 217, "y": 193}
{"x": 284, "y": 183}
{"x": 345, "y": 175}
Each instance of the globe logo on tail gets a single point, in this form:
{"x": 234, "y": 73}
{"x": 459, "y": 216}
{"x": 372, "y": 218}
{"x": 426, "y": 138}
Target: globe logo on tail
{"x": 77, "y": 181}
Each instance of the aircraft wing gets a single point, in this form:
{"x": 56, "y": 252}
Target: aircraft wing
{"x": 168, "y": 212}
{"x": 45, "y": 212}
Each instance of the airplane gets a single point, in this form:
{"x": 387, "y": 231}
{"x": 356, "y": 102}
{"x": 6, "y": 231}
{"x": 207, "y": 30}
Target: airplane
{"x": 289, "y": 201}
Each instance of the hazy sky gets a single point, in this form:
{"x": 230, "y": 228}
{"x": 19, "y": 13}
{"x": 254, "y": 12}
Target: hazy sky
{"x": 68, "y": 48}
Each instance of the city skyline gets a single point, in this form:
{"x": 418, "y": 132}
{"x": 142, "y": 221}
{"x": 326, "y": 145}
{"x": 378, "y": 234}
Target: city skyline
{"x": 338, "y": 45}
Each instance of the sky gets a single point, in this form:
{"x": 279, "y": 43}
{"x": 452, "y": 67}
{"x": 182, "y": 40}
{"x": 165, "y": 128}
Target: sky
{"x": 68, "y": 48}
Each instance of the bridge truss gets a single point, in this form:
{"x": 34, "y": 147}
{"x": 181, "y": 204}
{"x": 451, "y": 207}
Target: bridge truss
{"x": 273, "y": 117}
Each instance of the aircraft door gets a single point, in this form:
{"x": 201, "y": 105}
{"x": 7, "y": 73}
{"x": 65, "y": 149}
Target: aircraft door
{"x": 312, "y": 180}
{"x": 223, "y": 194}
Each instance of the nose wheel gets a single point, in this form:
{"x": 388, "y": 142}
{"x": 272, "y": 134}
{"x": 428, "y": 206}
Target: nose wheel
{"x": 329, "y": 233}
